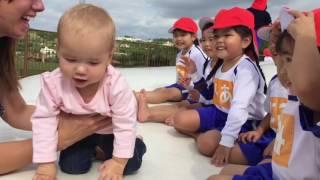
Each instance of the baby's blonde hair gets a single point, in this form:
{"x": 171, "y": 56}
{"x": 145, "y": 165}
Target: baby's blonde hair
{"x": 85, "y": 19}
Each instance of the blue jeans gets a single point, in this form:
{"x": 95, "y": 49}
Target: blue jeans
{"x": 77, "y": 159}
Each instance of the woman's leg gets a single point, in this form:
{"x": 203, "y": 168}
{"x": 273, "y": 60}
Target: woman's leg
{"x": 15, "y": 155}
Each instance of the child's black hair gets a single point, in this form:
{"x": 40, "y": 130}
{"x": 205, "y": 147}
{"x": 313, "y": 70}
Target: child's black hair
{"x": 206, "y": 26}
{"x": 244, "y": 32}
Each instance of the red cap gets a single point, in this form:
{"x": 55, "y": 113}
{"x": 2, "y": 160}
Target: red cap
{"x": 259, "y": 4}
{"x": 316, "y": 13}
{"x": 267, "y": 52}
{"x": 186, "y": 24}
{"x": 227, "y": 18}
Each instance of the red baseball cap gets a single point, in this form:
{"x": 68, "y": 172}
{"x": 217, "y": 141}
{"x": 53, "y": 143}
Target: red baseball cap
{"x": 266, "y": 52}
{"x": 259, "y": 4}
{"x": 186, "y": 24}
{"x": 227, "y": 18}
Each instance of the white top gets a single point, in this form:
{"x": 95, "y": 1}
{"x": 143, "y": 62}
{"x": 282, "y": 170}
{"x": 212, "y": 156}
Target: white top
{"x": 296, "y": 153}
{"x": 239, "y": 93}
{"x": 276, "y": 101}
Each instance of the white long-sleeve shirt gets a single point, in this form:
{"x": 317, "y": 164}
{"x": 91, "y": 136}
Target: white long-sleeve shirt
{"x": 276, "y": 101}
{"x": 239, "y": 93}
{"x": 296, "y": 152}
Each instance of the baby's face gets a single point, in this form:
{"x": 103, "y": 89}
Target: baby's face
{"x": 84, "y": 59}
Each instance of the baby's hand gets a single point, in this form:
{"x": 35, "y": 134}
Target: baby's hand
{"x": 46, "y": 171}
{"x": 111, "y": 169}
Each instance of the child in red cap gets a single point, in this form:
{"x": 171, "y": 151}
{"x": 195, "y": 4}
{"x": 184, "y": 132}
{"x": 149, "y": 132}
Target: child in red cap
{"x": 238, "y": 89}
{"x": 198, "y": 97}
{"x": 296, "y": 149}
{"x": 185, "y": 39}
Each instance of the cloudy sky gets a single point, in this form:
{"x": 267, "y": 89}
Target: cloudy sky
{"x": 149, "y": 19}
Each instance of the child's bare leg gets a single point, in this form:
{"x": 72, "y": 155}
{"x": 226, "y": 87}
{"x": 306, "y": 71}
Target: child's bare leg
{"x": 157, "y": 113}
{"x": 208, "y": 142}
{"x": 220, "y": 177}
{"x": 162, "y": 95}
{"x": 143, "y": 109}
{"x": 229, "y": 171}
{"x": 233, "y": 169}
{"x": 187, "y": 122}
{"x": 236, "y": 156}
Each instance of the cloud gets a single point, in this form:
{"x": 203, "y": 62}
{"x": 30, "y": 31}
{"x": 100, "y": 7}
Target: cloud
{"x": 152, "y": 18}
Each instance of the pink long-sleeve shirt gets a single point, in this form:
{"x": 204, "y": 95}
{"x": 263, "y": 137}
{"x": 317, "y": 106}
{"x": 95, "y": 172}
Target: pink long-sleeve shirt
{"x": 114, "y": 99}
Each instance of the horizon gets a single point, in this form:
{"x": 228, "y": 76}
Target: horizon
{"x": 151, "y": 19}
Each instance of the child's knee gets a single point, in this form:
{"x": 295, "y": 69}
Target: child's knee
{"x": 205, "y": 145}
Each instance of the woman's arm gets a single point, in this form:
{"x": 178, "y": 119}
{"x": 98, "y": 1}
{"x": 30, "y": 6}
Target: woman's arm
{"x": 15, "y": 155}
{"x": 17, "y": 112}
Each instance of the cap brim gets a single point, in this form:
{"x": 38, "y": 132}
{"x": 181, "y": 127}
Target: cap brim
{"x": 264, "y": 32}
{"x": 204, "y": 21}
{"x": 171, "y": 30}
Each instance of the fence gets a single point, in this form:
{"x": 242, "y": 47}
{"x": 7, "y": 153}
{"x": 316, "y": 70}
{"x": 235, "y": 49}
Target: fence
{"x": 36, "y": 53}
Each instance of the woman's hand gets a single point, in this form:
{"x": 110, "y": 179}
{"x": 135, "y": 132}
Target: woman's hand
{"x": 73, "y": 128}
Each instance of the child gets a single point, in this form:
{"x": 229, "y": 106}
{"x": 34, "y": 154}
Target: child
{"x": 238, "y": 88}
{"x": 277, "y": 98}
{"x": 184, "y": 33}
{"x": 86, "y": 83}
{"x": 164, "y": 113}
{"x": 296, "y": 151}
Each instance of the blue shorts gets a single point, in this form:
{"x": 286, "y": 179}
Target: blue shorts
{"x": 211, "y": 118}
{"x": 259, "y": 172}
{"x": 254, "y": 151}
{"x": 184, "y": 91}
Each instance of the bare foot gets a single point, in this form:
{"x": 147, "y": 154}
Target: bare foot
{"x": 169, "y": 121}
{"x": 143, "y": 109}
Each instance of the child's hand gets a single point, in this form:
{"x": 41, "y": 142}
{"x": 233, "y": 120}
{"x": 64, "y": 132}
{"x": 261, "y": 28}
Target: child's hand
{"x": 194, "y": 95}
{"x": 190, "y": 65}
{"x": 221, "y": 156}
{"x": 185, "y": 82}
{"x": 46, "y": 171}
{"x": 112, "y": 170}
{"x": 250, "y": 136}
{"x": 302, "y": 25}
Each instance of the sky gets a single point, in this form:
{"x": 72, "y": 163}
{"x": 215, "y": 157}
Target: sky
{"x": 150, "y": 19}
